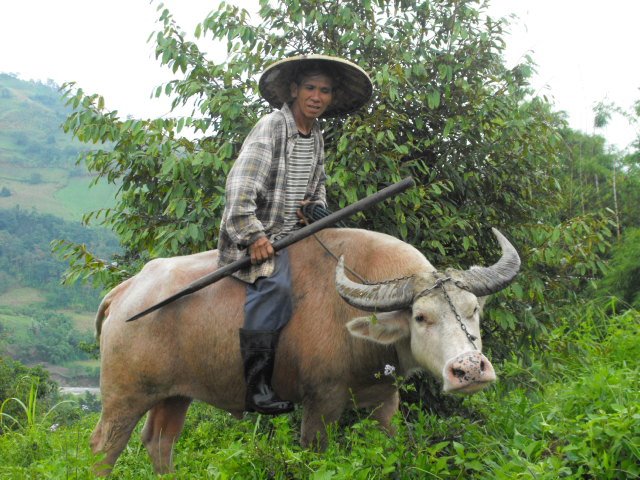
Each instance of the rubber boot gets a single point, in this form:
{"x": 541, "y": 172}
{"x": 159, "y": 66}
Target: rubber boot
{"x": 258, "y": 349}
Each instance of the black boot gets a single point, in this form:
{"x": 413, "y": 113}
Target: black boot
{"x": 258, "y": 349}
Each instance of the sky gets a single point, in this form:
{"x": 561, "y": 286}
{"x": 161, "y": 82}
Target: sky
{"x": 584, "y": 50}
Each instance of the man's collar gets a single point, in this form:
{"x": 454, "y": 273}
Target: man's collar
{"x": 291, "y": 121}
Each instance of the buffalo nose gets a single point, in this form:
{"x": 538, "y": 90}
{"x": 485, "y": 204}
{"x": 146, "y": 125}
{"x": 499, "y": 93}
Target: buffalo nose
{"x": 468, "y": 373}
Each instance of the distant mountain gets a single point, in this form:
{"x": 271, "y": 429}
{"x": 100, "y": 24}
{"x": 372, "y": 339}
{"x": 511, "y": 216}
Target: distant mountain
{"x": 30, "y": 117}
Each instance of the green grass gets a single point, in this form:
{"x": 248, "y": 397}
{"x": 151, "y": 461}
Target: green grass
{"x": 78, "y": 198}
{"x": 39, "y": 197}
{"x": 58, "y": 193}
{"x": 576, "y": 417}
{"x": 26, "y": 296}
{"x": 82, "y": 321}
{"x": 83, "y": 363}
{"x": 17, "y": 327}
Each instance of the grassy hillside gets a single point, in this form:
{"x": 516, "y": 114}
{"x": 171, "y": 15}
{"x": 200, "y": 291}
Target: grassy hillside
{"x": 15, "y": 299}
{"x": 30, "y": 117}
{"x": 576, "y": 417}
{"x": 56, "y": 192}
{"x": 43, "y": 195}
{"x": 37, "y": 159}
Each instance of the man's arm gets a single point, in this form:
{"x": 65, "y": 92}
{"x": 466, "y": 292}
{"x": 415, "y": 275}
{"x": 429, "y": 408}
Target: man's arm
{"x": 246, "y": 180}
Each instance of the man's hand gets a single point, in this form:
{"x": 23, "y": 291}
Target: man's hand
{"x": 299, "y": 210}
{"x": 261, "y": 250}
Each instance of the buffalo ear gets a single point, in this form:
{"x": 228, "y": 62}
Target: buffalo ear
{"x": 384, "y": 328}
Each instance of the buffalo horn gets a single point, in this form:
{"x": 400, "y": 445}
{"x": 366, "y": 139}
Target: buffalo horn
{"x": 379, "y": 297}
{"x": 482, "y": 281}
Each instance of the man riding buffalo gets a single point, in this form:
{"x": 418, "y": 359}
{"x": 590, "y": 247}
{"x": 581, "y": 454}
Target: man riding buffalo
{"x": 280, "y": 168}
{"x": 330, "y": 356}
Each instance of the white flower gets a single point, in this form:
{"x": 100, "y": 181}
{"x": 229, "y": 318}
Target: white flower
{"x": 54, "y": 427}
{"x": 85, "y": 408}
{"x": 389, "y": 370}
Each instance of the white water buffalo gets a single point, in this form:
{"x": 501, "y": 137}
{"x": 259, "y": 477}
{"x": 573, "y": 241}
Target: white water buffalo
{"x": 329, "y": 355}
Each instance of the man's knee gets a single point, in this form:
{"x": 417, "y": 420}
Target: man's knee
{"x": 281, "y": 291}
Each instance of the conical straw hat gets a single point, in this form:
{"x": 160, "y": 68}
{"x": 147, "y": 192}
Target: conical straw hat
{"x": 352, "y": 87}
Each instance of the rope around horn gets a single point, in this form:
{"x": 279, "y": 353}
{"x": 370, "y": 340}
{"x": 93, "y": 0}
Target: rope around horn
{"x": 315, "y": 212}
{"x": 439, "y": 283}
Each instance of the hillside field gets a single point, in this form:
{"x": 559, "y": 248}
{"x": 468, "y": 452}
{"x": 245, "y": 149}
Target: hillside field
{"x": 55, "y": 191}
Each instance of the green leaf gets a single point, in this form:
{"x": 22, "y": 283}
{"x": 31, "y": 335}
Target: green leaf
{"x": 433, "y": 99}
{"x": 181, "y": 206}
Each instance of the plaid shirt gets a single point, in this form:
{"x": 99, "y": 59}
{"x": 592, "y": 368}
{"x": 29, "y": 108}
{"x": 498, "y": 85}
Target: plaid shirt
{"x": 255, "y": 189}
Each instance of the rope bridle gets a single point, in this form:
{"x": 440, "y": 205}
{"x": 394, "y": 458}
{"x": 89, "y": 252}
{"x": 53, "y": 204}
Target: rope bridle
{"x": 440, "y": 282}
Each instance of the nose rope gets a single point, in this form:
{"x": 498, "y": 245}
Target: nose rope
{"x": 439, "y": 283}
{"x": 470, "y": 337}
{"x": 308, "y": 214}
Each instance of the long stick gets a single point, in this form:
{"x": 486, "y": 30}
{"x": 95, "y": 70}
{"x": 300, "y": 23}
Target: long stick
{"x": 294, "y": 237}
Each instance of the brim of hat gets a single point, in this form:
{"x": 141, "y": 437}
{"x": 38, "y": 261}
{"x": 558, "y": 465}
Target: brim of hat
{"x": 353, "y": 91}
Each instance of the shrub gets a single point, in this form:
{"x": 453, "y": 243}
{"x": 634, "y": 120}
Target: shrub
{"x": 623, "y": 278}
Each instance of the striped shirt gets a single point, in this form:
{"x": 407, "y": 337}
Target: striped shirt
{"x": 256, "y": 188}
{"x": 298, "y": 174}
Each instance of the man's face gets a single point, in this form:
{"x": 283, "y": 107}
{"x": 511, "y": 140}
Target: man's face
{"x": 313, "y": 95}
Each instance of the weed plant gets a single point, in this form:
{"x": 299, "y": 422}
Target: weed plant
{"x": 573, "y": 413}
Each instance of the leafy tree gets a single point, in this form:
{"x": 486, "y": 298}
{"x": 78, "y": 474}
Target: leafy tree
{"x": 21, "y": 139}
{"x": 623, "y": 278}
{"x": 53, "y": 339}
{"x": 601, "y": 182}
{"x": 26, "y": 260}
{"x": 629, "y": 190}
{"x": 35, "y": 178}
{"x": 625, "y": 168}
{"x": 629, "y": 184}
{"x": 586, "y": 174}
{"x": 446, "y": 110}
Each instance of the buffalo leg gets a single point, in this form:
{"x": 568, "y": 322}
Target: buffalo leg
{"x": 162, "y": 430}
{"x": 384, "y": 412}
{"x": 384, "y": 401}
{"x": 111, "y": 436}
{"x": 318, "y": 414}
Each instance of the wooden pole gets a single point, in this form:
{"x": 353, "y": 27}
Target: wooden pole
{"x": 294, "y": 237}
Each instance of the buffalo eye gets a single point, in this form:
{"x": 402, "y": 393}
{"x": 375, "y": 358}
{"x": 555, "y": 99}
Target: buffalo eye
{"x": 419, "y": 318}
